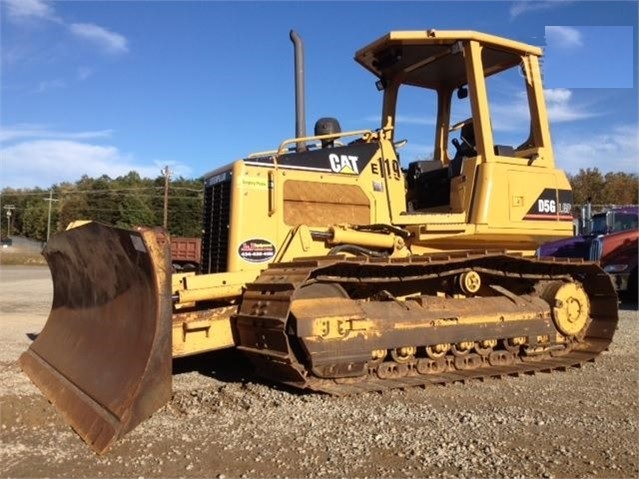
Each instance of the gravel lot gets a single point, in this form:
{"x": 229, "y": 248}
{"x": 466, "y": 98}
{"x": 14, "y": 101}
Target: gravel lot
{"x": 222, "y": 422}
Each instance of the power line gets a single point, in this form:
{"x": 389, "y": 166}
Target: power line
{"x": 109, "y": 190}
{"x": 90, "y": 208}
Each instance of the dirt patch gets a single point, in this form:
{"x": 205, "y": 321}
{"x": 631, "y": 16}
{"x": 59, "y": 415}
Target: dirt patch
{"x": 12, "y": 256}
{"x": 27, "y": 412}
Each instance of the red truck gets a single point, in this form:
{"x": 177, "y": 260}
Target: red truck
{"x": 185, "y": 253}
{"x": 617, "y": 253}
{"x": 590, "y": 227}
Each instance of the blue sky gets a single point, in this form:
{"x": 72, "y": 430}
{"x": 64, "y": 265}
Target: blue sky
{"x": 99, "y": 88}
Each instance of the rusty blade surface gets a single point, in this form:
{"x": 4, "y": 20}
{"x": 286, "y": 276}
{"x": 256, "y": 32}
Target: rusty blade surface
{"x": 103, "y": 358}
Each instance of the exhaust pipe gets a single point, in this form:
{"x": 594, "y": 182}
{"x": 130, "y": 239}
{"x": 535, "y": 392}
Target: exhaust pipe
{"x": 587, "y": 215}
{"x": 300, "y": 107}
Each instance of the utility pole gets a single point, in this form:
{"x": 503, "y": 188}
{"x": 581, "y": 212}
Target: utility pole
{"x": 167, "y": 174}
{"x": 9, "y": 209}
{"x": 50, "y": 199}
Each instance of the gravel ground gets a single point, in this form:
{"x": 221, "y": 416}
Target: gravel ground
{"x": 222, "y": 422}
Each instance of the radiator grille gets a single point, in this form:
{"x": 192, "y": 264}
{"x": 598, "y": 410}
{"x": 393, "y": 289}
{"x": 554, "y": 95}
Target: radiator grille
{"x": 217, "y": 214}
{"x": 596, "y": 249}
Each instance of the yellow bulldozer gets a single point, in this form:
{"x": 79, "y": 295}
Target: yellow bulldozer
{"x": 334, "y": 267}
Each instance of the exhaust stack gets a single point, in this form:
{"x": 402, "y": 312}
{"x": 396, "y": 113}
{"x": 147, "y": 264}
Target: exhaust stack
{"x": 300, "y": 106}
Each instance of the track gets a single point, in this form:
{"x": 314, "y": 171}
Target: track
{"x": 344, "y": 326}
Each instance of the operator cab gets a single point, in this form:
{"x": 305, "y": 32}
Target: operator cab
{"x": 462, "y": 99}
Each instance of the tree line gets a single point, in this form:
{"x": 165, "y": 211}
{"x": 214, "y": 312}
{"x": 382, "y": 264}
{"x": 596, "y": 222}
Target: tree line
{"x": 609, "y": 189}
{"x": 125, "y": 201}
{"x": 129, "y": 201}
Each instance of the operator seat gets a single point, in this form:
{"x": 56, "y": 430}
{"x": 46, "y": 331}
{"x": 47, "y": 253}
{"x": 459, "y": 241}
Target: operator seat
{"x": 465, "y": 148}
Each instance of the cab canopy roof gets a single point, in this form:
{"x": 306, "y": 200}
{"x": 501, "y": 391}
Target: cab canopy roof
{"x": 434, "y": 59}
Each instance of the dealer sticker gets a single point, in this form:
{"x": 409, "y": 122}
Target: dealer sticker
{"x": 256, "y": 250}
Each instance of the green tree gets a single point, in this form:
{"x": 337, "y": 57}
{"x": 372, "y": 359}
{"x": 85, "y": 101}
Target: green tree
{"x": 16, "y": 201}
{"x": 102, "y": 202}
{"x": 34, "y": 219}
{"x": 185, "y": 207}
{"x": 73, "y": 203}
{"x": 133, "y": 211}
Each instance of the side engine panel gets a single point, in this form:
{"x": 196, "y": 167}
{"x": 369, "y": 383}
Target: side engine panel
{"x": 253, "y": 208}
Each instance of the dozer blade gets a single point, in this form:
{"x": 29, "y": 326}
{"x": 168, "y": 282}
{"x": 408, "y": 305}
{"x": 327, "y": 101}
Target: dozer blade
{"x": 103, "y": 358}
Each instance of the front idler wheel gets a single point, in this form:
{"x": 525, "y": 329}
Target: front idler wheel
{"x": 570, "y": 307}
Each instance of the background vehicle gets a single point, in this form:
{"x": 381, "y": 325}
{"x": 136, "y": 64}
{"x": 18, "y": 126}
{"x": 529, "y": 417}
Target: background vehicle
{"x": 611, "y": 220}
{"x": 333, "y": 268}
{"x": 185, "y": 253}
{"x": 617, "y": 253}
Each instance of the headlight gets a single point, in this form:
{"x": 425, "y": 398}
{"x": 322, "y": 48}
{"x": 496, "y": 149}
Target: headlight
{"x": 615, "y": 268}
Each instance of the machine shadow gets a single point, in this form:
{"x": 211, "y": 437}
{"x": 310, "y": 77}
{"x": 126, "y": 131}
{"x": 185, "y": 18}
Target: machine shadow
{"x": 628, "y": 305}
{"x": 227, "y": 366}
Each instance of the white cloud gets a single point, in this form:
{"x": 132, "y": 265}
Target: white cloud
{"x": 24, "y": 131}
{"x": 557, "y": 95}
{"x": 19, "y": 10}
{"x": 23, "y": 11}
{"x": 44, "y": 162}
{"x": 525, "y": 6}
{"x": 513, "y": 115}
{"x": 560, "y": 109}
{"x": 109, "y": 41}
{"x": 563, "y": 37}
{"x": 613, "y": 150}
{"x": 47, "y": 85}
